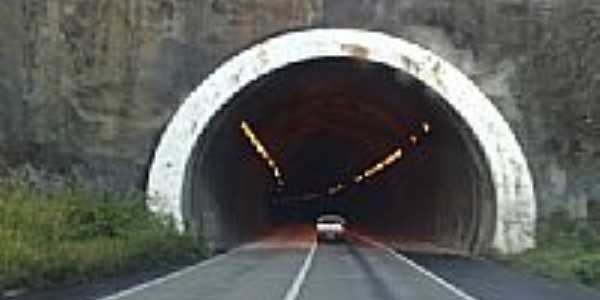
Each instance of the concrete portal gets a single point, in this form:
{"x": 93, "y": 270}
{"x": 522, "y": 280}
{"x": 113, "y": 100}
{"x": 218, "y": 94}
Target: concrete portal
{"x": 327, "y": 103}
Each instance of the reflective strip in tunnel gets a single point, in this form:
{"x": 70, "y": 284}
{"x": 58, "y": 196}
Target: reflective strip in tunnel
{"x": 262, "y": 151}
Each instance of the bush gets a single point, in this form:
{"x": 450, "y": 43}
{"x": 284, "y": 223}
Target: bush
{"x": 76, "y": 234}
{"x": 587, "y": 269}
{"x": 567, "y": 249}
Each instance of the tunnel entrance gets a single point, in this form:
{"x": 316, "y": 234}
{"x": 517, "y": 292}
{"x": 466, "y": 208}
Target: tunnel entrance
{"x": 349, "y": 122}
{"x": 325, "y": 122}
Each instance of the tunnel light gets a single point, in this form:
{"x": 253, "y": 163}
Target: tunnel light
{"x": 359, "y": 179}
{"x": 276, "y": 172}
{"x": 393, "y": 157}
{"x": 398, "y": 154}
{"x": 336, "y": 189}
{"x": 389, "y": 160}
{"x": 262, "y": 151}
{"x": 381, "y": 165}
{"x": 413, "y": 139}
{"x": 370, "y": 172}
{"x": 426, "y": 127}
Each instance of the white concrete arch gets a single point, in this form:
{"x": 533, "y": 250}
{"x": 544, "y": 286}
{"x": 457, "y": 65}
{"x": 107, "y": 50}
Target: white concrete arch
{"x": 512, "y": 183}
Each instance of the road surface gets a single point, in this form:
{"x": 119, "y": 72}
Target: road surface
{"x": 299, "y": 270}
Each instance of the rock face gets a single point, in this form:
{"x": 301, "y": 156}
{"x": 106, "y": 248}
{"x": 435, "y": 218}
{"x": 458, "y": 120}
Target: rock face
{"x": 88, "y": 85}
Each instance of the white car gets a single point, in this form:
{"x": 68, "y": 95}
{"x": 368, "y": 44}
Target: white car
{"x": 330, "y": 227}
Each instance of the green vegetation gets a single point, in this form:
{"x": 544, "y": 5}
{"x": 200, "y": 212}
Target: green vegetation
{"x": 75, "y": 234}
{"x": 567, "y": 249}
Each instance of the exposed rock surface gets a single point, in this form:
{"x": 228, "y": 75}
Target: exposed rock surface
{"x": 89, "y": 84}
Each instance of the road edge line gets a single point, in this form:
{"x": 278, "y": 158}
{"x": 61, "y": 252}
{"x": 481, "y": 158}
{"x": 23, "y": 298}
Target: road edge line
{"x": 142, "y": 286}
{"x": 294, "y": 290}
{"x": 439, "y": 280}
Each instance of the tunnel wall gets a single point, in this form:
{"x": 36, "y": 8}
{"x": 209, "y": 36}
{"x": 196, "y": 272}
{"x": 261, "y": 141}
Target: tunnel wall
{"x": 89, "y": 86}
{"x": 228, "y": 186}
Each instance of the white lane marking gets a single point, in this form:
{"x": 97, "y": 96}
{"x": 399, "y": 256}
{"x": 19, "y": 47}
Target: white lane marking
{"x": 417, "y": 267}
{"x": 170, "y": 276}
{"x": 294, "y": 290}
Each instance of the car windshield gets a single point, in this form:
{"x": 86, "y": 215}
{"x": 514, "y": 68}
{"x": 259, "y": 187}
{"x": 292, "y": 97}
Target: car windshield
{"x": 330, "y": 219}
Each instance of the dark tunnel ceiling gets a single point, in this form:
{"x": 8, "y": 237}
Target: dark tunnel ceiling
{"x": 321, "y": 127}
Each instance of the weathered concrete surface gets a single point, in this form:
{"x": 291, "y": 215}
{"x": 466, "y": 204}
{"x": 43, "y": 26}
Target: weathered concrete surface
{"x": 89, "y": 84}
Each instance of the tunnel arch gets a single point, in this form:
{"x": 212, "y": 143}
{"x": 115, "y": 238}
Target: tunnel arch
{"x": 515, "y": 205}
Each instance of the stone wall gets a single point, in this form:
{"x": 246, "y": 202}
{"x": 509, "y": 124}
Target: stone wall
{"x": 90, "y": 84}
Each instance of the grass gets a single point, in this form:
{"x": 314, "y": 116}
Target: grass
{"x": 75, "y": 235}
{"x": 567, "y": 250}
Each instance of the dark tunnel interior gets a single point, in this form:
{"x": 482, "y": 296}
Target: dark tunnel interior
{"x": 324, "y": 122}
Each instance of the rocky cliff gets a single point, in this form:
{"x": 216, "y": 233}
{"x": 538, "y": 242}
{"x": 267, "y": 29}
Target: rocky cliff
{"x": 88, "y": 85}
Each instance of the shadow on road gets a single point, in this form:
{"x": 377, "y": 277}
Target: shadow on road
{"x": 380, "y": 290}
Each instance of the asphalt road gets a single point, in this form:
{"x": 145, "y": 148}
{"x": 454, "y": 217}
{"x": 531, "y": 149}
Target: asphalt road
{"x": 490, "y": 280}
{"x": 297, "y": 270}
{"x": 357, "y": 271}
